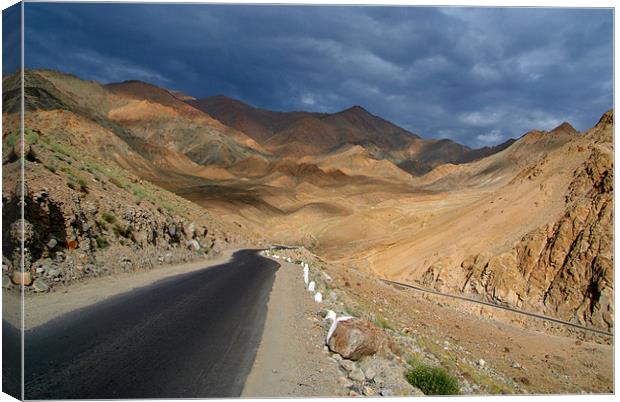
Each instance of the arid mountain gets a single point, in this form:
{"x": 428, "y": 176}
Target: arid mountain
{"x": 529, "y": 227}
{"x": 297, "y": 134}
{"x": 87, "y": 211}
{"x": 526, "y": 223}
{"x": 495, "y": 229}
{"x": 144, "y": 117}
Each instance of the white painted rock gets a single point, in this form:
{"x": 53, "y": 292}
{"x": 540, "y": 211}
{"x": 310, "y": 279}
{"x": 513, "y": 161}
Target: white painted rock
{"x": 311, "y": 286}
{"x": 318, "y": 297}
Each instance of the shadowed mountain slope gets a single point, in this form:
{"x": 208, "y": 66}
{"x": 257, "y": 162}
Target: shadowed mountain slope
{"x": 298, "y": 134}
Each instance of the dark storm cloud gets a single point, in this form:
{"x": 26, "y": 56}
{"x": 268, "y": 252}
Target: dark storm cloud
{"x": 478, "y": 76}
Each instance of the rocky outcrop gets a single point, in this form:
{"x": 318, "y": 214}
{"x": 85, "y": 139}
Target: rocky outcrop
{"x": 355, "y": 338}
{"x": 68, "y": 239}
{"x": 86, "y": 227}
{"x": 564, "y": 268}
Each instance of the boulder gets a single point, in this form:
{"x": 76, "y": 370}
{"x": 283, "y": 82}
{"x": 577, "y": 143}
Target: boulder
{"x": 52, "y": 243}
{"x": 140, "y": 236}
{"x": 357, "y": 375}
{"x": 189, "y": 230}
{"x": 17, "y": 234}
{"x": 21, "y": 278}
{"x": 348, "y": 365}
{"x": 172, "y": 230}
{"x": 356, "y": 338}
{"x": 39, "y": 285}
{"x": 193, "y": 245}
{"x": 370, "y": 374}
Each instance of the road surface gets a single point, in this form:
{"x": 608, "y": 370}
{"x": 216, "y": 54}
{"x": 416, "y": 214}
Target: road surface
{"x": 190, "y": 336}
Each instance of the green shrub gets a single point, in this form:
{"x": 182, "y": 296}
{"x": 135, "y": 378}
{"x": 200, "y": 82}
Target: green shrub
{"x": 51, "y": 167}
{"x": 382, "y": 323}
{"x": 82, "y": 183}
{"x": 12, "y": 139}
{"x": 121, "y": 230}
{"x": 31, "y": 137}
{"x": 433, "y": 380}
{"x": 139, "y": 192}
{"x": 102, "y": 224}
{"x": 108, "y": 217}
{"x": 117, "y": 182}
{"x": 101, "y": 242}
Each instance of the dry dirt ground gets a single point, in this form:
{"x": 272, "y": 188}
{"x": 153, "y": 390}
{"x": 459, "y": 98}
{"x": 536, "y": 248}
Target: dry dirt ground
{"x": 517, "y": 359}
{"x": 290, "y": 361}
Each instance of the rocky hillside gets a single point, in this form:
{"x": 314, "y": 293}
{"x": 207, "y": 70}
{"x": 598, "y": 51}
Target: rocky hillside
{"x": 563, "y": 267}
{"x": 85, "y": 213}
{"x": 528, "y": 224}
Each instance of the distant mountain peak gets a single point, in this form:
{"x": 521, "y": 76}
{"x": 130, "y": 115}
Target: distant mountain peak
{"x": 357, "y": 109}
{"x": 565, "y": 127}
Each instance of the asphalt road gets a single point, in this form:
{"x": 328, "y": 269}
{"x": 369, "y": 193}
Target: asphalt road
{"x": 190, "y": 336}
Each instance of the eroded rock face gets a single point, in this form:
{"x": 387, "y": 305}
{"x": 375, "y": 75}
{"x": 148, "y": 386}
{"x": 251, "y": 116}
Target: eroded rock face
{"x": 356, "y": 338}
{"x": 564, "y": 268}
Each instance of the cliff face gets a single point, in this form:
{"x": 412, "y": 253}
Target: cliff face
{"x": 565, "y": 267}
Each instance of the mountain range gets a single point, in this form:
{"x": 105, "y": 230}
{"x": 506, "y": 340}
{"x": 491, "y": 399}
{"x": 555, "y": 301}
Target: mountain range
{"x": 526, "y": 223}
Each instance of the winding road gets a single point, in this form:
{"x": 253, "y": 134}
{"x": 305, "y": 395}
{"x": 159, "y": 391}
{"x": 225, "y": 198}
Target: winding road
{"x": 193, "y": 335}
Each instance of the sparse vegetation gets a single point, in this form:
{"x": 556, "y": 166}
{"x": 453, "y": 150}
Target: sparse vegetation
{"x": 382, "y": 323}
{"x": 51, "y": 167}
{"x": 432, "y": 380}
{"x": 11, "y": 139}
{"x": 76, "y": 182}
{"x": 109, "y": 217}
{"x": 31, "y": 137}
{"x": 351, "y": 311}
{"x": 116, "y": 182}
{"x": 102, "y": 242}
{"x": 122, "y": 230}
{"x": 102, "y": 224}
{"x": 139, "y": 192}
{"x": 82, "y": 183}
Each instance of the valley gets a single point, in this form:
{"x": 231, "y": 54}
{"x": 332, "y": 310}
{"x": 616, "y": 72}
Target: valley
{"x": 127, "y": 177}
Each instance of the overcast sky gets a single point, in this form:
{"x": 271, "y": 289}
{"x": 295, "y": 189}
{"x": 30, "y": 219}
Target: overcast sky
{"x": 475, "y": 75}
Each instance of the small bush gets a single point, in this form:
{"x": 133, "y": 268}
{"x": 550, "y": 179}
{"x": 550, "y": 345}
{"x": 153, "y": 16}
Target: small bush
{"x": 117, "y": 182}
{"x": 108, "y": 217}
{"x": 433, "y": 380}
{"x": 122, "y": 230}
{"x": 101, "y": 242}
{"x": 139, "y": 192}
{"x": 382, "y": 323}
{"x": 82, "y": 184}
{"x": 12, "y": 139}
{"x": 51, "y": 167}
{"x": 102, "y": 224}
{"x": 31, "y": 137}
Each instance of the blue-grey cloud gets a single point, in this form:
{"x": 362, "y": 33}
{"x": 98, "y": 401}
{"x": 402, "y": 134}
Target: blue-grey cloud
{"x": 476, "y": 75}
